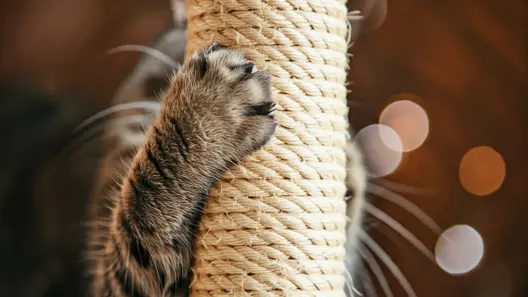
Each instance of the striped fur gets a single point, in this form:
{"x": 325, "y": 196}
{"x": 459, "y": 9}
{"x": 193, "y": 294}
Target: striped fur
{"x": 143, "y": 245}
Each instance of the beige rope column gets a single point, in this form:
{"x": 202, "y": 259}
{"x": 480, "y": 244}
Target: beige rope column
{"x": 274, "y": 226}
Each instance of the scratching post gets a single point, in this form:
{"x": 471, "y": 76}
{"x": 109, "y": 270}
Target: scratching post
{"x": 275, "y": 225}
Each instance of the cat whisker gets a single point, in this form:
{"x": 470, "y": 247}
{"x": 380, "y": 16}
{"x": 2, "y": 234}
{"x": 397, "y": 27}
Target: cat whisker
{"x": 367, "y": 283}
{"x": 389, "y": 263}
{"x": 349, "y": 285}
{"x": 376, "y": 269}
{"x": 396, "y": 226}
{"x": 152, "y": 106}
{"x": 397, "y": 187}
{"x": 145, "y": 50}
{"x": 405, "y": 204}
{"x": 92, "y": 134}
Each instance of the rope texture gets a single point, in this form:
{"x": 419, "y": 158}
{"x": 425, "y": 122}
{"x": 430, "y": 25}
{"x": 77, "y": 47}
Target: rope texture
{"x": 275, "y": 225}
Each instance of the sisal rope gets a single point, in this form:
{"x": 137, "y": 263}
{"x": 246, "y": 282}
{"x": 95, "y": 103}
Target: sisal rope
{"x": 275, "y": 225}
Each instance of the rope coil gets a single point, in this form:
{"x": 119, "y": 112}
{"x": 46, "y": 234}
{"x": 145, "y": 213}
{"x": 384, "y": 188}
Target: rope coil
{"x": 275, "y": 225}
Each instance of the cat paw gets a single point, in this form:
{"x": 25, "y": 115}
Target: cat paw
{"x": 224, "y": 97}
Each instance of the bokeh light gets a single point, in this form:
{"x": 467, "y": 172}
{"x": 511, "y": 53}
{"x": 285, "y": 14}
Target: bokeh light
{"x": 409, "y": 120}
{"x": 459, "y": 249}
{"x": 382, "y": 149}
{"x": 482, "y": 170}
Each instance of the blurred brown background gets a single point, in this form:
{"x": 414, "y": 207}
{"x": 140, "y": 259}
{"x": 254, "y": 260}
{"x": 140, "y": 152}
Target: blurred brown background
{"x": 465, "y": 61}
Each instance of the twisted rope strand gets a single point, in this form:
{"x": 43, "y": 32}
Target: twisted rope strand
{"x": 274, "y": 225}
